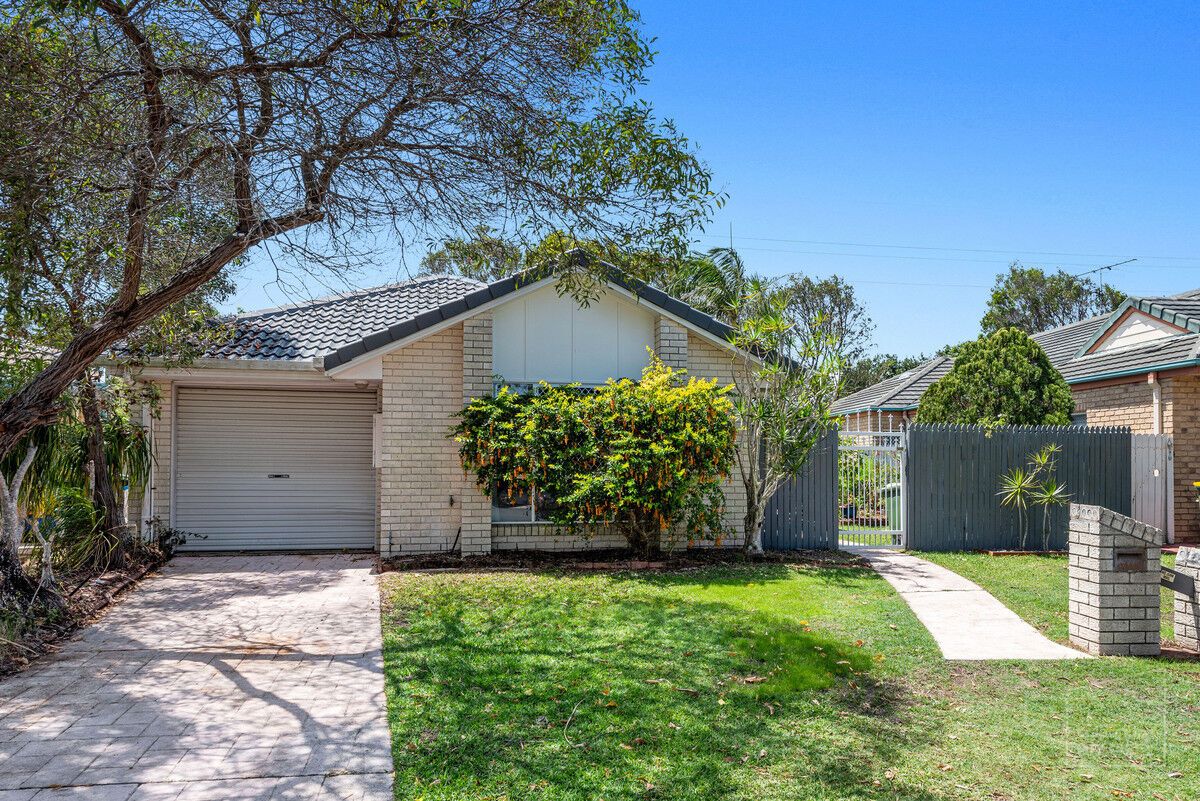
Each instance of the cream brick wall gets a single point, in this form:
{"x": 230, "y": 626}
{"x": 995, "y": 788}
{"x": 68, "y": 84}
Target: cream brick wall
{"x": 161, "y": 432}
{"x": 671, "y": 343}
{"x": 421, "y": 486}
{"x": 706, "y": 360}
{"x": 477, "y": 383}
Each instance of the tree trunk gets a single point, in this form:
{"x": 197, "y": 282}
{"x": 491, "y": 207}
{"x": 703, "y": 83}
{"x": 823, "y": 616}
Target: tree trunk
{"x": 12, "y": 574}
{"x": 103, "y": 495}
{"x": 752, "y": 527}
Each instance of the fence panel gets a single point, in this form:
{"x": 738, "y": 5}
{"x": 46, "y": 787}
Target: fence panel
{"x": 803, "y": 512}
{"x": 953, "y": 475}
{"x": 1152, "y": 472}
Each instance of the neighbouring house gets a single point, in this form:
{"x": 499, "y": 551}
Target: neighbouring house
{"x": 325, "y": 425}
{"x": 1138, "y": 366}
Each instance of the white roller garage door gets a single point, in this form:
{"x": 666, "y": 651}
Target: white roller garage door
{"x": 274, "y": 469}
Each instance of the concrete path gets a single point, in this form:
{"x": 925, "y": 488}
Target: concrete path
{"x": 250, "y": 677}
{"x": 966, "y": 621}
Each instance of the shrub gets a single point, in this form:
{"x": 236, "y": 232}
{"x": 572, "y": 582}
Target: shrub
{"x": 647, "y": 457}
{"x": 1002, "y": 379}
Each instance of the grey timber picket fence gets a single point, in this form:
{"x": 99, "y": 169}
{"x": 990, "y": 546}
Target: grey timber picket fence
{"x": 803, "y": 512}
{"x": 953, "y": 476}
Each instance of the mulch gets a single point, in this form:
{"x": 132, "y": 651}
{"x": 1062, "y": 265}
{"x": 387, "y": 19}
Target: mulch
{"x": 612, "y": 560}
{"x": 86, "y": 596}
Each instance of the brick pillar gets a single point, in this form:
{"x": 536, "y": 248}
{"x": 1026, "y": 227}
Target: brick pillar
{"x": 1114, "y": 578}
{"x": 671, "y": 343}
{"x": 477, "y": 382}
{"x": 1187, "y": 604}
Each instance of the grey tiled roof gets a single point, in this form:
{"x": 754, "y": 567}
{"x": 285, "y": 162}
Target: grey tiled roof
{"x": 1063, "y": 345}
{"x": 341, "y": 328}
{"x": 305, "y": 331}
{"x": 899, "y": 392}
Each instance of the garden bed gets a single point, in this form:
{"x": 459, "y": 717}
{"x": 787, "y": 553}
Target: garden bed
{"x": 614, "y": 559}
{"x": 86, "y": 595}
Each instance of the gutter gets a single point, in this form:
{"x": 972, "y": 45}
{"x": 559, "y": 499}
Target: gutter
{"x": 1158, "y": 368}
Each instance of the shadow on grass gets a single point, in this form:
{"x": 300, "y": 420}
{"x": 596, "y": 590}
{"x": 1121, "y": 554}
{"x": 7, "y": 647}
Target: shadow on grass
{"x": 568, "y": 686}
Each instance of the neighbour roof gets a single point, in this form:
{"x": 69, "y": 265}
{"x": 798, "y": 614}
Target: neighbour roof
{"x": 1066, "y": 346}
{"x": 340, "y": 328}
{"x": 897, "y": 393}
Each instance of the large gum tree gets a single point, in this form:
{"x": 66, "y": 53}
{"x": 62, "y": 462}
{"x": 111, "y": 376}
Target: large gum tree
{"x": 147, "y": 146}
{"x": 315, "y": 125}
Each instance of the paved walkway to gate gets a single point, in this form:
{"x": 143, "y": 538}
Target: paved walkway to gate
{"x": 966, "y": 621}
{"x": 244, "y": 677}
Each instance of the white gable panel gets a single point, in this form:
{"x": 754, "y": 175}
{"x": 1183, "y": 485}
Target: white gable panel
{"x": 1137, "y": 329}
{"x": 508, "y": 340}
{"x": 636, "y": 333}
{"x": 548, "y": 337}
{"x": 544, "y": 337}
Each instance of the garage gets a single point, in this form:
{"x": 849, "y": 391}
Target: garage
{"x": 274, "y": 469}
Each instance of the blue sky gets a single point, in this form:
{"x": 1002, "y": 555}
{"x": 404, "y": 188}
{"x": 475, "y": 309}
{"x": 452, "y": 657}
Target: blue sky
{"x": 916, "y": 149}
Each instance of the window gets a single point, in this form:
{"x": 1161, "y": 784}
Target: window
{"x": 1079, "y": 419}
{"x": 521, "y": 507}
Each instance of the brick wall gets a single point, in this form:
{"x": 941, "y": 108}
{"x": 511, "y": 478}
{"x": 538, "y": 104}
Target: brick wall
{"x": 161, "y": 431}
{"x": 1181, "y": 419}
{"x": 477, "y": 383}
{"x": 873, "y": 421}
{"x": 421, "y": 486}
{"x": 706, "y": 360}
{"x": 671, "y": 343}
{"x": 1120, "y": 405}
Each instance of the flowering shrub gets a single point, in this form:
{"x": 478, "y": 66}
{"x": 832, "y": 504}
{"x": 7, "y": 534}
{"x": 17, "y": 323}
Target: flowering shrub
{"x": 645, "y": 456}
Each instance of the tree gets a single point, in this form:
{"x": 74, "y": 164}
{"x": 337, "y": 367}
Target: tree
{"x": 647, "y": 457}
{"x": 832, "y": 305}
{"x": 870, "y": 370}
{"x": 1034, "y": 301}
{"x": 785, "y": 377}
{"x": 306, "y": 124}
{"x": 1001, "y": 379}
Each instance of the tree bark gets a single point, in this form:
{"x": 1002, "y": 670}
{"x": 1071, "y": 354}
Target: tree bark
{"x": 103, "y": 495}
{"x": 37, "y": 403}
{"x": 12, "y": 574}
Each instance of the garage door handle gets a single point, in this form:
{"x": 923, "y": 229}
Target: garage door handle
{"x": 278, "y": 475}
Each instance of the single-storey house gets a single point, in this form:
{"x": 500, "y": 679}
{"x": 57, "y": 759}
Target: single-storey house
{"x": 325, "y": 425}
{"x": 1138, "y": 366}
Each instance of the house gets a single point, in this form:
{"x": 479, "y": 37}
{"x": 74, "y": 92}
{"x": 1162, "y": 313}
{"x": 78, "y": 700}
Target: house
{"x": 1138, "y": 366}
{"x": 325, "y": 425}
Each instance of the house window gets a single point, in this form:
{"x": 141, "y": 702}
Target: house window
{"x": 1079, "y": 419}
{"x": 523, "y": 506}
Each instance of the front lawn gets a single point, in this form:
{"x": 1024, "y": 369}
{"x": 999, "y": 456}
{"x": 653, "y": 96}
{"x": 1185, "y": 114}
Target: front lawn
{"x": 751, "y": 683}
{"x": 1035, "y": 587}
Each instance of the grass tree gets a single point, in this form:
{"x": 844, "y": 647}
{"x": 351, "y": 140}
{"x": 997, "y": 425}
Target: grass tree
{"x": 785, "y": 376}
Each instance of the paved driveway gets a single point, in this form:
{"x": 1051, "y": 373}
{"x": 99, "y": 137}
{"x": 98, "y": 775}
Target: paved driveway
{"x": 248, "y": 677}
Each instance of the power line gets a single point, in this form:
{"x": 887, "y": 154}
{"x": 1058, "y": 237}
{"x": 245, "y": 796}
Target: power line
{"x": 892, "y": 246}
{"x": 954, "y": 259}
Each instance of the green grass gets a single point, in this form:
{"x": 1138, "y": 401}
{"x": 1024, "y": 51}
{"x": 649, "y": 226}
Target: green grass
{"x": 1034, "y": 586}
{"x": 620, "y": 686}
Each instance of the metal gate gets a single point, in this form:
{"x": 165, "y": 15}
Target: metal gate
{"x": 870, "y": 489}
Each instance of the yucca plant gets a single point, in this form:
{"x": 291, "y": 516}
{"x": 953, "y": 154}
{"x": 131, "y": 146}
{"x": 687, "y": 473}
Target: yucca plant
{"x": 1016, "y": 489}
{"x": 1049, "y": 494}
{"x": 1035, "y": 484}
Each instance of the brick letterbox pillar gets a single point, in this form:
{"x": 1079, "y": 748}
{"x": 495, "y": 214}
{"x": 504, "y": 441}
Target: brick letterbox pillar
{"x": 1187, "y": 599}
{"x": 1114, "y": 581}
